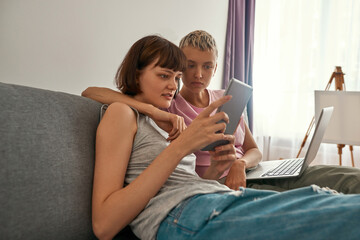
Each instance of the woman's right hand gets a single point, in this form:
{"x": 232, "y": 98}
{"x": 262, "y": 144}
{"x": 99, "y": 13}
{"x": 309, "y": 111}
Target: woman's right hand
{"x": 171, "y": 123}
{"x": 205, "y": 129}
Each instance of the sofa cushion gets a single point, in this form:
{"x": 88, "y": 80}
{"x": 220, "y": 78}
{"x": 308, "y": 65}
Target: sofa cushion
{"x": 46, "y": 163}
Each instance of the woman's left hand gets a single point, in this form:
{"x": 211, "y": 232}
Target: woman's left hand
{"x": 237, "y": 175}
{"x": 221, "y": 159}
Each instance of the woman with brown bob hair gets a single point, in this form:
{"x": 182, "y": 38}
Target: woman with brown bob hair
{"x": 144, "y": 180}
{"x": 141, "y": 54}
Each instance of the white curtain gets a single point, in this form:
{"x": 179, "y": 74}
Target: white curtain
{"x": 297, "y": 45}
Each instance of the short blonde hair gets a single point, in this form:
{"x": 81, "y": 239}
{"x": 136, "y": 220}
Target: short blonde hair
{"x": 199, "y": 39}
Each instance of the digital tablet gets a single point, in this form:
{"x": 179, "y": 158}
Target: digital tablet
{"x": 234, "y": 108}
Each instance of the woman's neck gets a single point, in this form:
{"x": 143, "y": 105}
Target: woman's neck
{"x": 200, "y": 99}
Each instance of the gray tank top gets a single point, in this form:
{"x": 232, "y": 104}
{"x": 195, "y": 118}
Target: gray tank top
{"x": 149, "y": 141}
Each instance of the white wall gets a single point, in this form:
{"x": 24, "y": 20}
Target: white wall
{"x": 69, "y": 45}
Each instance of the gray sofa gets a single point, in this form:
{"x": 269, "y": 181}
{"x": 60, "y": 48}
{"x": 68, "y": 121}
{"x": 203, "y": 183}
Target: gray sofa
{"x": 47, "y": 151}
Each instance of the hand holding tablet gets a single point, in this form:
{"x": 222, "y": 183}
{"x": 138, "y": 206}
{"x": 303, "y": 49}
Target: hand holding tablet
{"x": 234, "y": 108}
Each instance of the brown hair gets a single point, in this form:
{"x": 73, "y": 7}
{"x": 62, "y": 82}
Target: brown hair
{"x": 143, "y": 53}
{"x": 201, "y": 40}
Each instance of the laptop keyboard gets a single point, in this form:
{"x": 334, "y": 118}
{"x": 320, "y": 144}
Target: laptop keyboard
{"x": 287, "y": 167}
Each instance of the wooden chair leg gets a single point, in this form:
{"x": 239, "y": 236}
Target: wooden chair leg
{"x": 340, "y": 147}
{"x": 352, "y": 155}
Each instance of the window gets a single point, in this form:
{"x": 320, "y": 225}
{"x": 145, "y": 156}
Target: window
{"x": 297, "y": 45}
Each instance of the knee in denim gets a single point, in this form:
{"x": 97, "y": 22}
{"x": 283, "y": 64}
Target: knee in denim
{"x": 238, "y": 193}
{"x": 318, "y": 189}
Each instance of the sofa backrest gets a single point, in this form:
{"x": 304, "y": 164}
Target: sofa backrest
{"x": 47, "y": 147}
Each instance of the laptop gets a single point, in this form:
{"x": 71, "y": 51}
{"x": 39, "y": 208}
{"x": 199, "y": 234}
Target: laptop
{"x": 234, "y": 108}
{"x": 293, "y": 167}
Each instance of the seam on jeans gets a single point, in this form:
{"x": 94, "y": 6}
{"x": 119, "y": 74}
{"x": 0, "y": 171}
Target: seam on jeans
{"x": 173, "y": 223}
{"x": 178, "y": 213}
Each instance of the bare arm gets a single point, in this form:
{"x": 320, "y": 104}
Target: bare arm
{"x": 252, "y": 155}
{"x": 251, "y": 158}
{"x": 108, "y": 96}
{"x": 171, "y": 123}
{"x": 113, "y": 205}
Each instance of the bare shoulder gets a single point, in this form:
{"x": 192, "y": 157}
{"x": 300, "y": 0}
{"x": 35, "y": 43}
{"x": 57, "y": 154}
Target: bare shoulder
{"x": 119, "y": 108}
{"x": 119, "y": 115}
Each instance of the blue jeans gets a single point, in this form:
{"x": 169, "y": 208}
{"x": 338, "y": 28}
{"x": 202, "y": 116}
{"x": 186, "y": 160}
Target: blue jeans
{"x": 304, "y": 213}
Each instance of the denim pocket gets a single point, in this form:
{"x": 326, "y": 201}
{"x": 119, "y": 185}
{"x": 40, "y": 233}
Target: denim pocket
{"x": 193, "y": 213}
{"x": 176, "y": 212}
